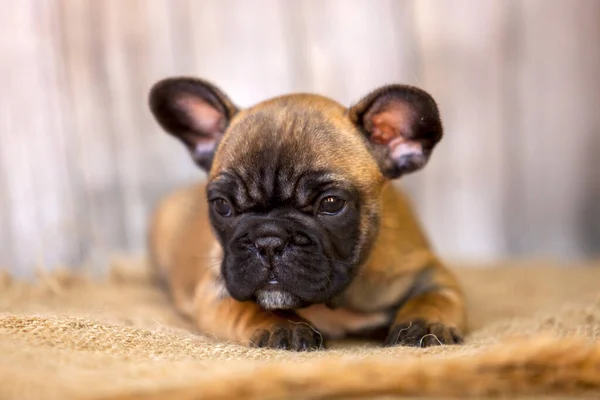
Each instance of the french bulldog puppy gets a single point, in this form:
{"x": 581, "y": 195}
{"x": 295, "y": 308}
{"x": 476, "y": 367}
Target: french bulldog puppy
{"x": 298, "y": 234}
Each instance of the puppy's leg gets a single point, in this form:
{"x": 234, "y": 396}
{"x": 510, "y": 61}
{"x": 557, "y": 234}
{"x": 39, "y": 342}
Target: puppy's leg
{"x": 219, "y": 315}
{"x": 432, "y": 313}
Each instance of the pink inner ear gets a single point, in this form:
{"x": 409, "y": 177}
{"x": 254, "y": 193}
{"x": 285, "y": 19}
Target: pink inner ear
{"x": 392, "y": 128}
{"x": 393, "y": 122}
{"x": 203, "y": 117}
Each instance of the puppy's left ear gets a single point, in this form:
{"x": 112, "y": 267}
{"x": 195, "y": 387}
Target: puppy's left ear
{"x": 402, "y": 125}
{"x": 194, "y": 111}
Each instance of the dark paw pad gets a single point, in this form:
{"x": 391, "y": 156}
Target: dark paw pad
{"x": 420, "y": 333}
{"x": 296, "y": 337}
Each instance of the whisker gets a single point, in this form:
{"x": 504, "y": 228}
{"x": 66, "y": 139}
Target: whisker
{"x": 403, "y": 330}
{"x": 310, "y": 326}
{"x": 429, "y": 334}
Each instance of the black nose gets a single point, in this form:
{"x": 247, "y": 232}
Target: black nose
{"x": 269, "y": 245}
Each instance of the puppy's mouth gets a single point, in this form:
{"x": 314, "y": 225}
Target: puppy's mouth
{"x": 272, "y": 280}
{"x": 273, "y": 299}
{"x": 273, "y": 296}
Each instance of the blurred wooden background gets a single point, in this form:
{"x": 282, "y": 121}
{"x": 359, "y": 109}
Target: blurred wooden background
{"x": 518, "y": 83}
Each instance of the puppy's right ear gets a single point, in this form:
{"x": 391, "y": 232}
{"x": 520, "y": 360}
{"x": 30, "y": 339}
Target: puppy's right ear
{"x": 194, "y": 111}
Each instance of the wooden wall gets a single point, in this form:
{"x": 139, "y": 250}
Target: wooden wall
{"x": 518, "y": 83}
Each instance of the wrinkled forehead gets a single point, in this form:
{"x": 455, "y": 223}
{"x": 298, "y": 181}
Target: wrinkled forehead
{"x": 286, "y": 137}
{"x": 286, "y": 143}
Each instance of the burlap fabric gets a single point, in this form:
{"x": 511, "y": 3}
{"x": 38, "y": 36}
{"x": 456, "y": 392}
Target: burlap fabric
{"x": 535, "y": 331}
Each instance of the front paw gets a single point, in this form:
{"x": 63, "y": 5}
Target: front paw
{"x": 421, "y": 333}
{"x": 296, "y": 337}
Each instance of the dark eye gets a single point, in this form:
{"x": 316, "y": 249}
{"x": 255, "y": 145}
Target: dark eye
{"x": 222, "y": 207}
{"x": 331, "y": 205}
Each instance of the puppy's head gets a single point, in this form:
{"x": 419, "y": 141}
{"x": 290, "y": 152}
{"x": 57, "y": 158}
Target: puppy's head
{"x": 294, "y": 182}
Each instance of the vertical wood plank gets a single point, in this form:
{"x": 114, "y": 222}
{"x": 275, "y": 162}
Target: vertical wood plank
{"x": 36, "y": 178}
{"x": 463, "y": 57}
{"x": 92, "y": 130}
{"x": 18, "y": 178}
{"x": 124, "y": 48}
{"x": 352, "y": 47}
{"x": 557, "y": 92}
{"x": 241, "y": 46}
{"x": 163, "y": 163}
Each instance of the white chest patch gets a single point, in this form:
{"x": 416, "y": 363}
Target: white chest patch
{"x": 337, "y": 323}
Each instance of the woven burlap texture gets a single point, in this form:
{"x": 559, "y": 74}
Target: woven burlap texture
{"x": 535, "y": 330}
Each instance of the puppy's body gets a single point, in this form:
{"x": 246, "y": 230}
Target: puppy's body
{"x": 186, "y": 253}
{"x": 274, "y": 267}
